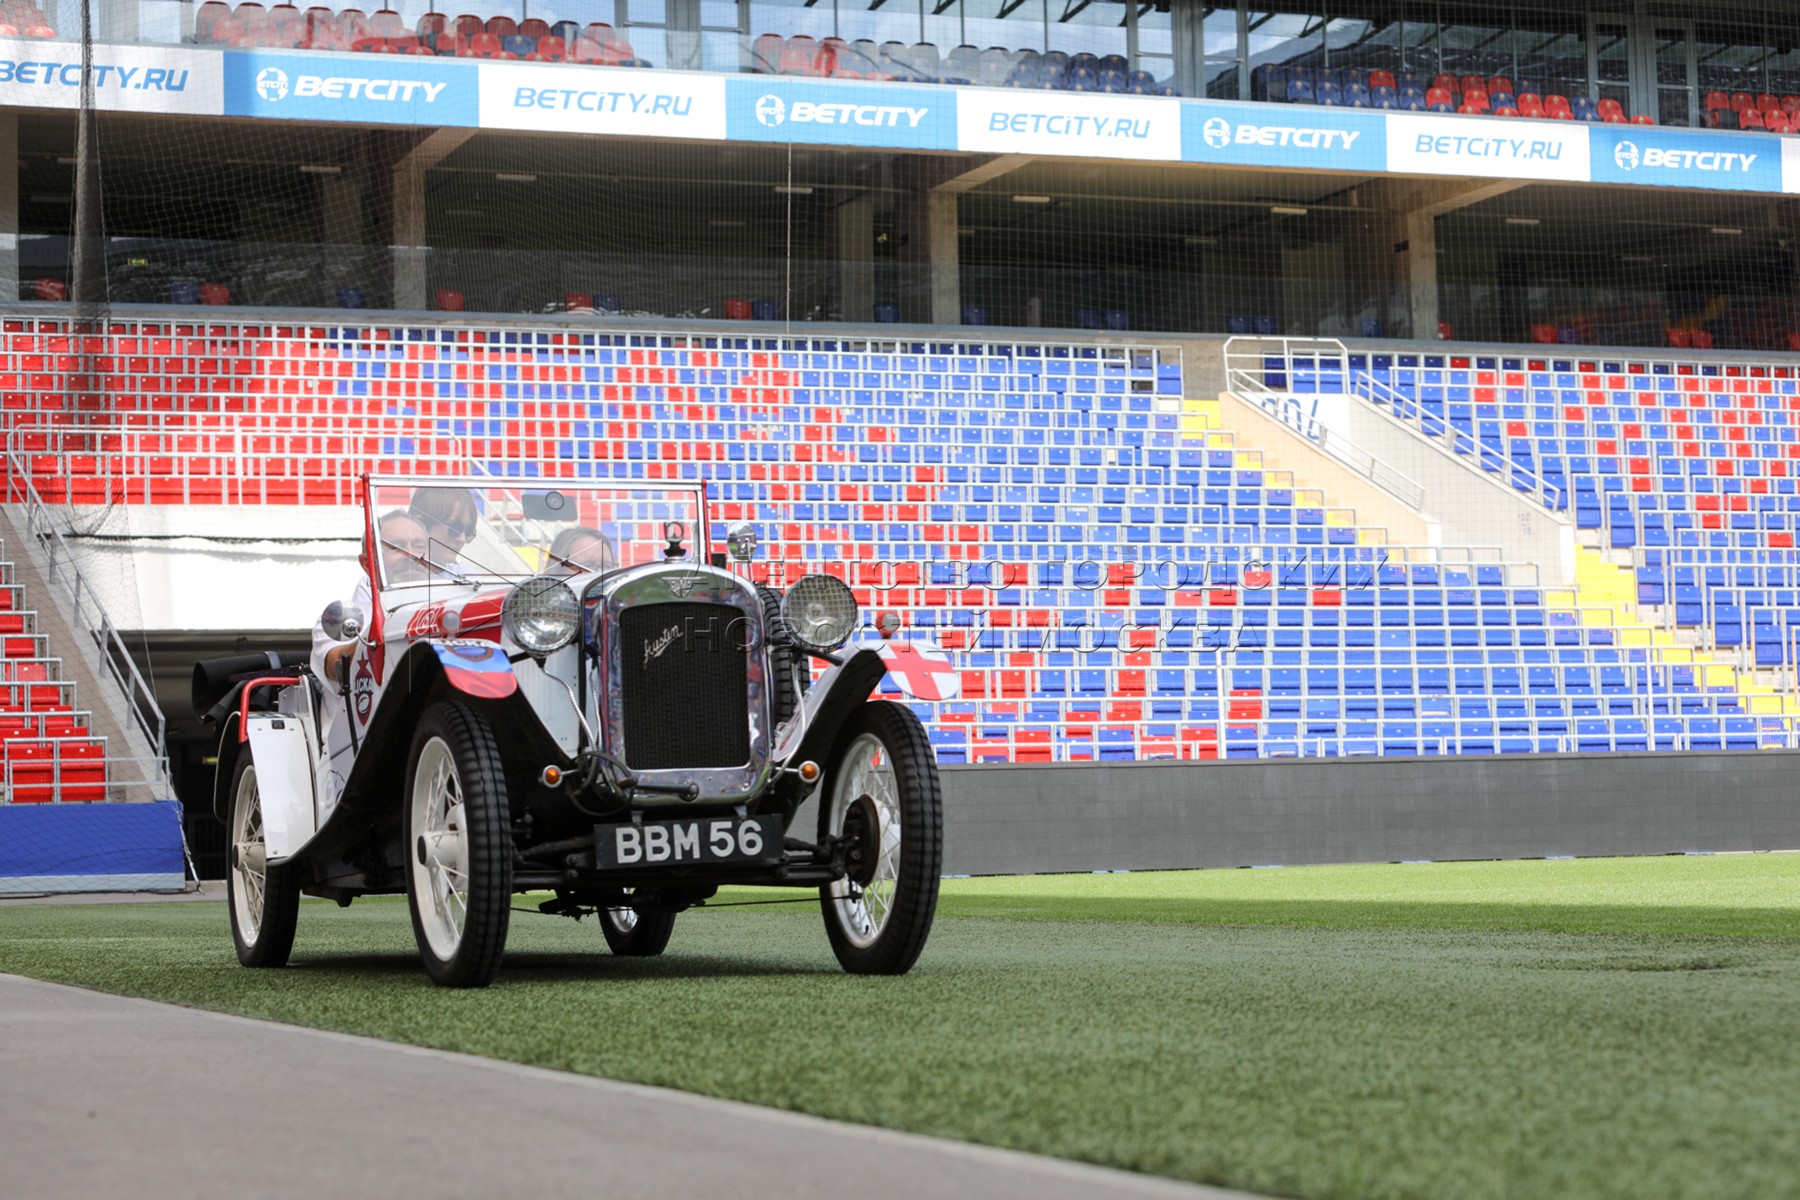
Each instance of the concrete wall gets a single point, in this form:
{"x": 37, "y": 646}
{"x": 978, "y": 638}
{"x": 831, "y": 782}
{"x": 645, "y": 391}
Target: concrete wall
{"x": 1472, "y": 507}
{"x": 1161, "y": 815}
{"x": 1285, "y": 450}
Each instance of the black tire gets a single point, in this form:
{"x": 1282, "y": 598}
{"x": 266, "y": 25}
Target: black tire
{"x": 264, "y": 901}
{"x": 890, "y": 945}
{"x": 460, "y": 944}
{"x": 633, "y": 934}
{"x": 787, "y": 664}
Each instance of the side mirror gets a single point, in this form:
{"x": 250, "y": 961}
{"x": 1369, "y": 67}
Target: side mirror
{"x": 341, "y": 621}
{"x": 741, "y": 540}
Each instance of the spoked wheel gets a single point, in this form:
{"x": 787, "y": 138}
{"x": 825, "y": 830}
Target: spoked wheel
{"x": 633, "y": 934}
{"x": 264, "y": 900}
{"x": 458, "y": 847}
{"x": 882, "y": 789}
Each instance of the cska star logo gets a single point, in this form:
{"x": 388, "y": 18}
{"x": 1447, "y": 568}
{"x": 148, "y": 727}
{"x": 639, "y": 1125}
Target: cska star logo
{"x": 362, "y": 689}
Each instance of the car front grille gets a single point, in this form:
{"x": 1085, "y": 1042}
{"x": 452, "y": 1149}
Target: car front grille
{"x": 683, "y": 686}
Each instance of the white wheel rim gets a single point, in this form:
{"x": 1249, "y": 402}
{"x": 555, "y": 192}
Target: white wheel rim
{"x": 249, "y": 857}
{"x": 867, "y": 769}
{"x": 440, "y": 884}
{"x": 623, "y": 920}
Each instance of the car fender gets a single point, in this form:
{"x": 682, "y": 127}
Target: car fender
{"x": 475, "y": 668}
{"x": 834, "y": 695}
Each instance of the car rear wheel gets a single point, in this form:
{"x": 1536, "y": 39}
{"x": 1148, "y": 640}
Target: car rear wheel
{"x": 458, "y": 847}
{"x": 264, "y": 900}
{"x": 633, "y": 934}
{"x": 882, "y": 790}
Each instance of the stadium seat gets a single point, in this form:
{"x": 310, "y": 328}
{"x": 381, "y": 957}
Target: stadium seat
{"x": 447, "y": 300}
{"x": 49, "y": 289}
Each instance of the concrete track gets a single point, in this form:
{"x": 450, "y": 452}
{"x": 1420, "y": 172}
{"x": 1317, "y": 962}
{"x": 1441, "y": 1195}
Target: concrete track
{"x": 103, "y": 1096}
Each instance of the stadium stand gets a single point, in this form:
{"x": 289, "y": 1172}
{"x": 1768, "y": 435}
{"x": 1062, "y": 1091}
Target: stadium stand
{"x": 1691, "y": 466}
{"x": 1115, "y": 580}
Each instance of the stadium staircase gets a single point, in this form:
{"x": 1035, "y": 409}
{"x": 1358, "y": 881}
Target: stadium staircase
{"x": 1117, "y": 577}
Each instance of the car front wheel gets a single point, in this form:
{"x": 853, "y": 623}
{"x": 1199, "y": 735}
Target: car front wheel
{"x": 458, "y": 847}
{"x": 264, "y": 900}
{"x": 882, "y": 793}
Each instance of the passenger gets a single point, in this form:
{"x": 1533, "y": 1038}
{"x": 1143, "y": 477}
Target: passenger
{"x": 580, "y": 548}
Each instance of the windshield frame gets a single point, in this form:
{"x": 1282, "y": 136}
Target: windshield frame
{"x": 458, "y": 577}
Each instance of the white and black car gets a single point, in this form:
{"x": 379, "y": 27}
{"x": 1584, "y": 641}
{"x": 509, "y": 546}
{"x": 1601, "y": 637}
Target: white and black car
{"x": 560, "y": 689}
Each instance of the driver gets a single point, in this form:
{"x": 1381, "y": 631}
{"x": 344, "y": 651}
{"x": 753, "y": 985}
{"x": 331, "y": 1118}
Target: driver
{"x": 403, "y": 550}
{"x": 449, "y": 519}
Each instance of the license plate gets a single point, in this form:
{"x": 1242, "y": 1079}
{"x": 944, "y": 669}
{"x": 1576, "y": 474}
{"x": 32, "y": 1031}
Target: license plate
{"x": 683, "y": 843}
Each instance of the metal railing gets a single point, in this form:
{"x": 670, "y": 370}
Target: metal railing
{"x": 1252, "y": 386}
{"x": 59, "y": 566}
{"x": 1274, "y": 365}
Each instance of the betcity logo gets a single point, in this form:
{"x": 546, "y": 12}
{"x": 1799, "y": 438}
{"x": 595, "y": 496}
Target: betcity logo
{"x": 1070, "y": 125}
{"x": 1628, "y": 157}
{"x": 272, "y": 85}
{"x": 105, "y": 75}
{"x": 1218, "y": 133}
{"x": 772, "y": 110}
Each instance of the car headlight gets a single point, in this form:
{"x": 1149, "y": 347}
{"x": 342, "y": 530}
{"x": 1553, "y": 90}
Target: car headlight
{"x": 541, "y": 615}
{"x": 820, "y": 612}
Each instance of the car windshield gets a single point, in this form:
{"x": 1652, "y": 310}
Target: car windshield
{"x": 474, "y": 532}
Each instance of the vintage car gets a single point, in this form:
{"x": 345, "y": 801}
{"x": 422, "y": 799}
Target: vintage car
{"x": 560, "y": 688}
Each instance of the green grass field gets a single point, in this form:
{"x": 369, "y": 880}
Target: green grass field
{"x": 1601, "y": 1028}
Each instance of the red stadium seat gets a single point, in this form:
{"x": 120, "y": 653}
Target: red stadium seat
{"x": 1447, "y": 82}
{"x": 737, "y": 310}
{"x": 1741, "y": 100}
{"x": 578, "y": 302}
{"x": 1499, "y": 83}
{"x": 467, "y": 26}
{"x": 49, "y": 289}
{"x": 1766, "y": 102}
{"x": 1476, "y": 83}
{"x": 484, "y": 45}
{"x": 1717, "y": 100}
{"x": 1702, "y": 339}
{"x": 1380, "y": 78}
{"x": 1439, "y": 95}
{"x": 1793, "y": 340}
{"x": 1790, "y": 105}
{"x": 1681, "y": 339}
{"x": 431, "y": 24}
{"x": 1543, "y": 333}
{"x": 215, "y": 293}
{"x": 534, "y": 27}
{"x": 1750, "y": 118}
{"x": 1610, "y": 107}
{"x": 1475, "y": 99}
{"x": 586, "y": 50}
{"x": 207, "y": 17}
{"x": 1775, "y": 121}
{"x": 502, "y": 26}
{"x": 549, "y": 49}
{"x": 446, "y": 300}
{"x": 1643, "y": 119}
{"x": 1506, "y": 110}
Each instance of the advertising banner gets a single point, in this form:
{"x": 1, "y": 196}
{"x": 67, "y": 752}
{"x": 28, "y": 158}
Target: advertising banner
{"x": 1491, "y": 148}
{"x": 896, "y": 116}
{"x": 380, "y": 89}
{"x": 1686, "y": 158}
{"x": 1068, "y": 124}
{"x": 610, "y": 100}
{"x": 1264, "y": 135}
{"x": 159, "y": 79}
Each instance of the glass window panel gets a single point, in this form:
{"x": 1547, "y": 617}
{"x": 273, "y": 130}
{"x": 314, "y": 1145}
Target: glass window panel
{"x": 1021, "y": 28}
{"x": 654, "y": 12}
{"x": 1088, "y": 26}
{"x": 1219, "y": 33}
{"x": 1282, "y": 38}
{"x": 718, "y": 14}
{"x": 895, "y": 21}
{"x": 944, "y": 24}
{"x": 649, "y": 44}
{"x": 1155, "y": 32}
{"x": 790, "y": 18}
{"x": 1219, "y": 81}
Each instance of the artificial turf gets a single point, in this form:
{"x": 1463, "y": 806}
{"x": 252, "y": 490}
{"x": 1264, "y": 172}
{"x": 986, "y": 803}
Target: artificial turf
{"x": 1597, "y": 1028}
